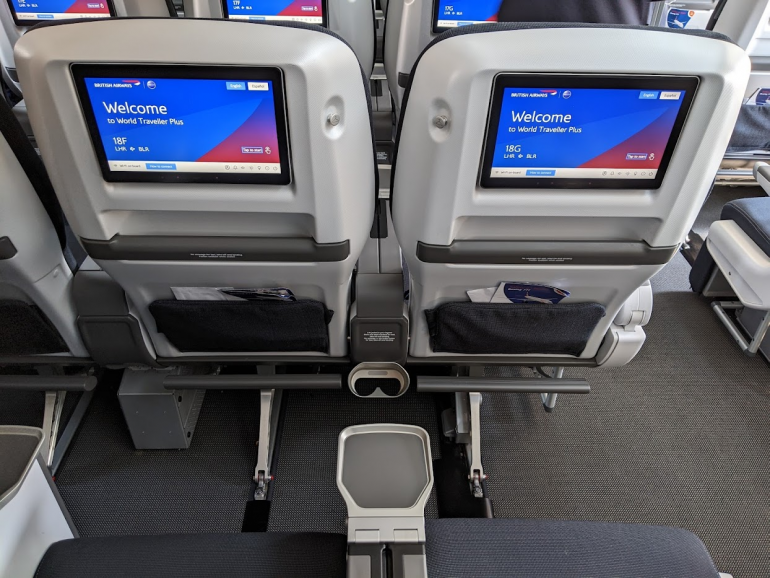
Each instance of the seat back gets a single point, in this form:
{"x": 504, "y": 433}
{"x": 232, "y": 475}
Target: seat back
{"x": 353, "y": 20}
{"x": 411, "y": 26}
{"x": 177, "y": 223}
{"x": 37, "y": 313}
{"x": 15, "y": 22}
{"x": 472, "y": 213}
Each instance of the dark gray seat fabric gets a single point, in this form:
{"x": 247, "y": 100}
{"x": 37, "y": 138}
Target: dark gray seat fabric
{"x": 589, "y": 11}
{"x": 753, "y": 216}
{"x": 198, "y": 556}
{"x": 546, "y": 549}
{"x": 752, "y": 130}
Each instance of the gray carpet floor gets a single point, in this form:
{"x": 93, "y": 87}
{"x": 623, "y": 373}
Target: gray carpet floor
{"x": 680, "y": 437}
{"x": 112, "y": 489}
{"x": 305, "y": 497}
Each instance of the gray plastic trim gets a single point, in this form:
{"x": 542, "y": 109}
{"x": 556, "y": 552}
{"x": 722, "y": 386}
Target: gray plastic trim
{"x": 48, "y": 383}
{"x": 546, "y": 253}
{"x": 264, "y": 249}
{"x": 15, "y": 430}
{"x": 331, "y": 381}
{"x": 429, "y": 384}
{"x": 57, "y": 496}
{"x": 7, "y": 248}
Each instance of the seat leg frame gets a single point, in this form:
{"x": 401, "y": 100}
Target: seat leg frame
{"x": 269, "y": 406}
{"x": 750, "y": 348}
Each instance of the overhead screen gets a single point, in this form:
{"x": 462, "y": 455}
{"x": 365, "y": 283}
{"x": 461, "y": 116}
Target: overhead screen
{"x": 30, "y": 12}
{"x": 186, "y": 124}
{"x": 583, "y": 131}
{"x": 449, "y": 14}
{"x": 308, "y": 11}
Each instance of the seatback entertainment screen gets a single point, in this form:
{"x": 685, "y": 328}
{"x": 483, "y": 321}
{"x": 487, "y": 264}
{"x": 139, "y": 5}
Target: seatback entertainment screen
{"x": 451, "y": 14}
{"x": 308, "y": 11}
{"x": 583, "y": 131}
{"x": 31, "y": 12}
{"x": 186, "y": 124}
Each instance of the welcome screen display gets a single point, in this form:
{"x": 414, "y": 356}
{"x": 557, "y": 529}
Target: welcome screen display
{"x": 187, "y": 125}
{"x": 584, "y": 133}
{"x": 310, "y": 11}
{"x": 451, "y": 14}
{"x": 41, "y": 10}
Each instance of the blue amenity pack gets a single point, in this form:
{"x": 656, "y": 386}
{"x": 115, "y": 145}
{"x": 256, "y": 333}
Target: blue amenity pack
{"x": 519, "y": 293}
{"x": 531, "y": 293}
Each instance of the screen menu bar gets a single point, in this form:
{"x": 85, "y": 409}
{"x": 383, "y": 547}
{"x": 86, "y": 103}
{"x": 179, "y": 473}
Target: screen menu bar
{"x": 188, "y": 167}
{"x": 457, "y": 23}
{"x": 305, "y": 19}
{"x": 545, "y": 172}
{"x": 59, "y": 16}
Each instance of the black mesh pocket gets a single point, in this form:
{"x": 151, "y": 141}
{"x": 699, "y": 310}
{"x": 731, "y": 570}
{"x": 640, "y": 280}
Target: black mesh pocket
{"x": 512, "y": 329}
{"x": 244, "y": 326}
{"x": 24, "y": 330}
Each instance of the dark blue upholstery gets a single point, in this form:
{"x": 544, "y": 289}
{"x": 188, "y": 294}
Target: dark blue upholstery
{"x": 198, "y": 556}
{"x": 753, "y": 216}
{"x": 588, "y": 11}
{"x": 547, "y": 549}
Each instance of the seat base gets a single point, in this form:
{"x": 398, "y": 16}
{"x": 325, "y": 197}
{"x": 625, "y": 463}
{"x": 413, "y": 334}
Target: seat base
{"x": 545, "y": 548}
{"x": 198, "y": 556}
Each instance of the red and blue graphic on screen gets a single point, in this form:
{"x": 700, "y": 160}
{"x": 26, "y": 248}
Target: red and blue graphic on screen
{"x": 585, "y": 127}
{"x": 259, "y": 9}
{"x": 169, "y": 120}
{"x": 464, "y": 12}
{"x": 46, "y": 9}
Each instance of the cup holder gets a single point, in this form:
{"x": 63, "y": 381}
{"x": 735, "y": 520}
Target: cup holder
{"x": 378, "y": 380}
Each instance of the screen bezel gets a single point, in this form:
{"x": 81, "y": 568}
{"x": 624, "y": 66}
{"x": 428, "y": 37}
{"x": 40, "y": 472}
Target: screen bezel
{"x": 440, "y": 29}
{"x": 687, "y": 84}
{"x": 27, "y": 23}
{"x": 257, "y": 73}
{"x": 324, "y": 16}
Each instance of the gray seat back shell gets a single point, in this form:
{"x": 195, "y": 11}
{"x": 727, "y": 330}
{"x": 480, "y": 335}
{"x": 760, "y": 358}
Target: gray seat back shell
{"x": 436, "y": 195}
{"x": 409, "y": 26}
{"x": 33, "y": 269}
{"x": 330, "y": 198}
{"x": 353, "y": 20}
{"x": 10, "y": 32}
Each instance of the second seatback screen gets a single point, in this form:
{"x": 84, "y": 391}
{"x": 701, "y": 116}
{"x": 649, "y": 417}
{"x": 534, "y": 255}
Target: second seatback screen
{"x": 307, "y": 11}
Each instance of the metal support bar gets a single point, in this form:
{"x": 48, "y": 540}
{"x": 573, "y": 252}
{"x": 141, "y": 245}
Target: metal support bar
{"x": 432, "y": 384}
{"x": 48, "y": 382}
{"x": 269, "y": 404}
{"x": 69, "y": 432}
{"x": 549, "y": 399}
{"x": 749, "y": 348}
{"x": 476, "y": 475}
{"x": 54, "y": 404}
{"x": 260, "y": 381}
{"x": 497, "y": 361}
